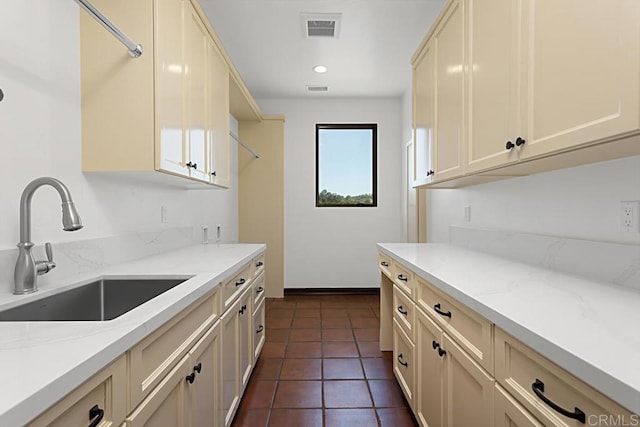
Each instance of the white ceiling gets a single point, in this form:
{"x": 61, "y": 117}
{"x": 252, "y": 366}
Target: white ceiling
{"x": 371, "y": 58}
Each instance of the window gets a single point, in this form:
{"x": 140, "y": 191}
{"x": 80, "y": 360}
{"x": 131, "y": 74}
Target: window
{"x": 346, "y": 165}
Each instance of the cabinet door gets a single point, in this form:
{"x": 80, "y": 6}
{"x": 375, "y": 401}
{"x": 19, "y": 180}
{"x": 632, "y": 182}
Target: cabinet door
{"x": 204, "y": 392}
{"x": 165, "y": 404}
{"x": 218, "y": 117}
{"x": 493, "y": 98}
{"x": 428, "y": 406}
{"x": 195, "y": 41}
{"x": 581, "y": 72}
{"x": 258, "y": 330}
{"x": 403, "y": 361}
{"x": 449, "y": 130}
{"x": 246, "y": 338}
{"x": 423, "y": 115}
{"x": 230, "y": 362}
{"x": 509, "y": 413}
{"x": 169, "y": 72}
{"x": 468, "y": 390}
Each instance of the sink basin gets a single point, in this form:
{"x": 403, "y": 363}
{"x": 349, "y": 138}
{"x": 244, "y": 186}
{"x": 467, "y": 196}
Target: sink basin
{"x": 96, "y": 301}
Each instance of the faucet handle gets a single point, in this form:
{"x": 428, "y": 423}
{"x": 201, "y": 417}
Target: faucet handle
{"x": 49, "y": 250}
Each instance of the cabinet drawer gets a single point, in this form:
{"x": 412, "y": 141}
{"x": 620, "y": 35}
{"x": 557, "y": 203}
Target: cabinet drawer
{"x": 404, "y": 312}
{"x": 153, "y": 357}
{"x": 385, "y": 264}
{"x": 519, "y": 370}
{"x": 258, "y": 292}
{"x": 259, "y": 330}
{"x": 104, "y": 390}
{"x": 258, "y": 265}
{"x": 509, "y": 413}
{"x": 403, "y": 361}
{"x": 404, "y": 278}
{"x": 470, "y": 330}
{"x": 234, "y": 287}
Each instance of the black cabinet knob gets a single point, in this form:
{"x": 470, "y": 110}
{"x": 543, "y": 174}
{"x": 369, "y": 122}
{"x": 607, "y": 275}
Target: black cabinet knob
{"x": 213, "y": 173}
{"x": 520, "y": 141}
{"x": 198, "y": 368}
{"x": 430, "y": 172}
{"x": 191, "y": 377}
{"x": 509, "y": 145}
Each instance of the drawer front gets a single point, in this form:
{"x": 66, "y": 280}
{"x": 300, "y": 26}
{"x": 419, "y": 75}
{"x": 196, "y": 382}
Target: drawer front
{"x": 404, "y": 312}
{"x": 259, "y": 330}
{"x": 385, "y": 264}
{"x": 509, "y": 413}
{"x": 234, "y": 287}
{"x": 153, "y": 357}
{"x": 404, "y": 278}
{"x": 258, "y": 292}
{"x": 104, "y": 390}
{"x": 520, "y": 370}
{"x": 470, "y": 330}
{"x": 403, "y": 361}
{"x": 258, "y": 265}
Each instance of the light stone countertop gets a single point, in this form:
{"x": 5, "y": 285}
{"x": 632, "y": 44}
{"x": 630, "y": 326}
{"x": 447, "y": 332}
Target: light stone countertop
{"x": 40, "y": 362}
{"x": 590, "y": 329}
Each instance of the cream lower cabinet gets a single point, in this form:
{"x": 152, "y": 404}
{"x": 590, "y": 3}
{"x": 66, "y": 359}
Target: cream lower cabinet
{"x": 453, "y": 390}
{"x": 457, "y": 369}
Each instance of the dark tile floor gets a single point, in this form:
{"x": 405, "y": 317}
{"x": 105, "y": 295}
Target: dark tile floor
{"x": 321, "y": 366}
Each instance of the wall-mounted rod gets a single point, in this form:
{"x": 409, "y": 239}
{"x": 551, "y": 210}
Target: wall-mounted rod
{"x": 135, "y": 49}
{"x": 245, "y": 146}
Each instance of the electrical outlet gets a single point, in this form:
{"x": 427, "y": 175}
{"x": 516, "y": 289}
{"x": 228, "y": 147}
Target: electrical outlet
{"x": 629, "y": 220}
{"x": 467, "y": 213}
{"x": 164, "y": 215}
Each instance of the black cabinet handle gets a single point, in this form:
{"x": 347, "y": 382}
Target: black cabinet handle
{"x": 259, "y": 289}
{"x": 213, "y": 173}
{"x": 259, "y": 264}
{"x": 241, "y": 282}
{"x": 405, "y": 364}
{"x": 198, "y": 367}
{"x": 195, "y": 166}
{"x": 260, "y": 329}
{"x": 429, "y": 173}
{"x": 520, "y": 141}
{"x": 509, "y": 145}
{"x": 577, "y": 414}
{"x": 191, "y": 377}
{"x": 95, "y": 415}
{"x": 401, "y": 311}
{"x": 435, "y": 344}
{"x": 403, "y": 278}
{"x": 440, "y": 312}
{"x": 243, "y": 309}
{"x": 384, "y": 264}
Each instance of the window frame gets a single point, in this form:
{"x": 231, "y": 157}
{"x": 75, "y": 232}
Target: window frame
{"x": 373, "y": 127}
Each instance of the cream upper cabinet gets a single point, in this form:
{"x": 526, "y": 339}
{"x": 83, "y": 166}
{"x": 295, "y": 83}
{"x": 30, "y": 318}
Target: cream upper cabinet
{"x": 581, "y": 73}
{"x": 492, "y": 73}
{"x": 172, "y": 147}
{"x": 218, "y": 117}
{"x": 195, "y": 97}
{"x": 423, "y": 115}
{"x": 448, "y": 40}
{"x": 167, "y": 110}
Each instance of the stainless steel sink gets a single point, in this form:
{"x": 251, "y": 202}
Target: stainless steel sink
{"x": 97, "y": 301}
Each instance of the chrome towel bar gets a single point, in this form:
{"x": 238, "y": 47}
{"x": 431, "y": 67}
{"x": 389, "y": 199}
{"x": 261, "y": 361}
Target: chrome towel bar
{"x": 135, "y": 50}
{"x": 245, "y": 146}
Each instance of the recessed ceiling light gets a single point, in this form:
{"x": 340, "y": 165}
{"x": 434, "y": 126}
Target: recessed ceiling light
{"x": 320, "y": 69}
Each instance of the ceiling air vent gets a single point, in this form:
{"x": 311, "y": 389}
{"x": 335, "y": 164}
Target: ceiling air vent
{"x": 311, "y": 88}
{"x": 321, "y": 24}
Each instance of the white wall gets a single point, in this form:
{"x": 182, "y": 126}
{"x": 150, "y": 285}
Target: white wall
{"x": 335, "y": 247}
{"x": 40, "y": 135}
{"x": 581, "y": 202}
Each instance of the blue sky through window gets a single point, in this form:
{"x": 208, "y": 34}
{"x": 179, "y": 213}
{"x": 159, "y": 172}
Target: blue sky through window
{"x": 345, "y": 161}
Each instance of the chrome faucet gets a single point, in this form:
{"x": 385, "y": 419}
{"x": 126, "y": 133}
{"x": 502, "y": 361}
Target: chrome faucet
{"x": 27, "y": 268}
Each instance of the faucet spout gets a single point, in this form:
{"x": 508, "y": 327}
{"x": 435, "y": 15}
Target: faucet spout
{"x": 27, "y": 269}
